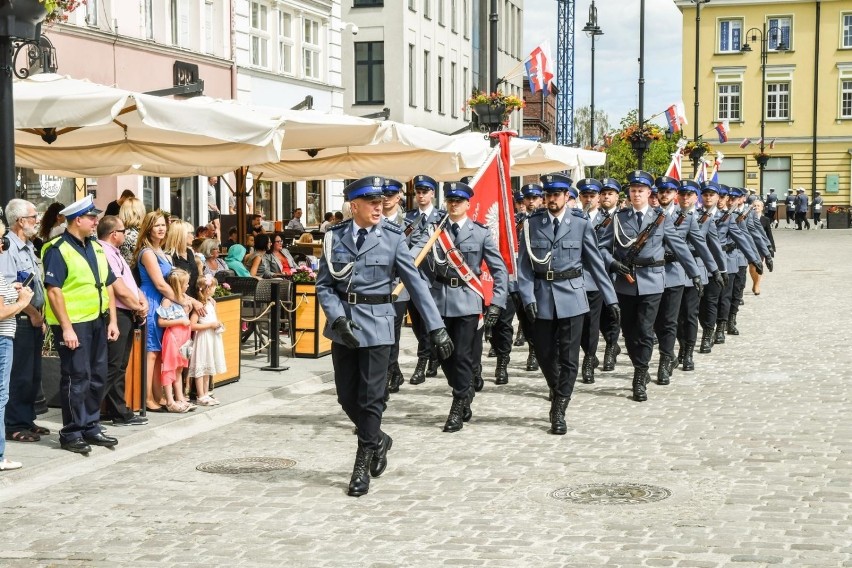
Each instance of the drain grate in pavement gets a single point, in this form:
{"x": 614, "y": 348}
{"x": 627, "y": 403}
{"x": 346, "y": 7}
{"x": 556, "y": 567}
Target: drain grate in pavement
{"x": 611, "y": 494}
{"x": 245, "y": 465}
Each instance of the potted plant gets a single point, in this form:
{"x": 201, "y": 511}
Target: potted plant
{"x": 696, "y": 149}
{"x": 307, "y": 338}
{"x": 640, "y": 138}
{"x": 837, "y": 217}
{"x": 493, "y": 109}
{"x": 762, "y": 158}
{"x": 25, "y": 17}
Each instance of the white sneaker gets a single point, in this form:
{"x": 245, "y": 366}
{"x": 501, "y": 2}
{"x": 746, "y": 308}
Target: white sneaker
{"x": 7, "y": 465}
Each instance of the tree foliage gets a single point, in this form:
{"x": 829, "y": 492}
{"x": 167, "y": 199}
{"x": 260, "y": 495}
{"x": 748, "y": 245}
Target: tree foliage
{"x": 621, "y": 158}
{"x": 582, "y": 121}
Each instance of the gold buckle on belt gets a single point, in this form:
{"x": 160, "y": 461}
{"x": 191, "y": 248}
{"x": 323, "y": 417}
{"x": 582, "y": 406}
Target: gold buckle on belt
{"x": 352, "y": 298}
{"x": 548, "y": 275}
{"x": 454, "y": 282}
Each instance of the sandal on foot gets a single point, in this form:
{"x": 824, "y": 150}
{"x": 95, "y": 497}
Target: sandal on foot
{"x": 23, "y": 437}
{"x": 176, "y": 408}
{"x": 7, "y": 465}
{"x": 41, "y": 430}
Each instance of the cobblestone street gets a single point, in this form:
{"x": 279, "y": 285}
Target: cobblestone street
{"x": 754, "y": 448}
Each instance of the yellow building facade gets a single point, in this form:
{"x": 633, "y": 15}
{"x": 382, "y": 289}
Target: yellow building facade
{"x": 807, "y": 95}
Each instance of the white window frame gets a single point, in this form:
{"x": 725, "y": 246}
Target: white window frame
{"x": 845, "y": 76}
{"x": 412, "y": 5}
{"x": 259, "y": 36}
{"x": 778, "y": 22}
{"x": 729, "y": 76}
{"x": 454, "y": 17}
{"x": 775, "y": 92}
{"x": 286, "y": 41}
{"x": 465, "y": 91}
{"x": 779, "y": 75}
{"x": 845, "y": 30}
{"x": 209, "y": 25}
{"x": 730, "y": 36}
{"x": 92, "y": 7}
{"x": 412, "y": 75}
{"x": 427, "y": 102}
{"x": 427, "y": 9}
{"x": 454, "y": 88}
{"x": 441, "y": 85}
{"x": 466, "y": 19}
{"x": 728, "y": 96}
{"x": 442, "y": 13}
{"x": 148, "y": 9}
{"x": 312, "y": 48}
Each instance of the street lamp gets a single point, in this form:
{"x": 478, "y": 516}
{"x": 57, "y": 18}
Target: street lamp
{"x": 592, "y": 29}
{"x": 764, "y": 35}
{"x": 643, "y": 145}
{"x": 698, "y": 3}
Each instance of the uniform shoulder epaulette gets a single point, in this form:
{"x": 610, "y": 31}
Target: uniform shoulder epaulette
{"x": 391, "y": 226}
{"x": 658, "y": 210}
{"x": 579, "y": 213}
{"x": 339, "y": 226}
{"x": 483, "y": 225}
{"x": 537, "y": 213}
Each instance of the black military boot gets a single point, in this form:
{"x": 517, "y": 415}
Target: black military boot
{"x": 720, "y": 332}
{"x": 419, "y": 374}
{"x": 679, "y": 353}
{"x": 732, "y": 325}
{"x": 454, "y": 420}
{"x": 380, "y": 458}
{"x": 640, "y": 376}
{"x": 589, "y": 369}
{"x": 706, "y": 340}
{"x": 467, "y": 412}
{"x": 388, "y": 386}
{"x": 532, "y": 362}
{"x": 492, "y": 353}
{"x": 501, "y": 373}
{"x": 557, "y": 415}
{"x": 359, "y": 484}
{"x": 611, "y": 352}
{"x": 396, "y": 379}
{"x": 519, "y": 337}
{"x": 688, "y": 363}
{"x": 664, "y": 370}
{"x": 478, "y": 383}
{"x": 432, "y": 368}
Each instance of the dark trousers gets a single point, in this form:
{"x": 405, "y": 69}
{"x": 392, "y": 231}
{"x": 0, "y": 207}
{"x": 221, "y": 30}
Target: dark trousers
{"x": 26, "y": 376}
{"x": 84, "y": 374}
{"x": 503, "y": 332}
{"x": 424, "y": 347}
{"x": 817, "y": 216}
{"x": 638, "y": 314}
{"x": 740, "y": 281}
{"x": 725, "y": 299}
{"x": 610, "y": 328}
{"x": 802, "y": 218}
{"x": 118, "y": 355}
{"x": 708, "y": 307}
{"x": 687, "y": 320}
{"x": 665, "y": 324}
{"x": 557, "y": 348}
{"x": 791, "y": 213}
{"x": 526, "y": 325}
{"x": 359, "y": 375}
{"x": 592, "y": 323}
{"x": 400, "y": 308}
{"x": 458, "y": 367}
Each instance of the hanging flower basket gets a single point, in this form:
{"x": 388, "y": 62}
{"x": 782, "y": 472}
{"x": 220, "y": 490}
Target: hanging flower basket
{"x": 490, "y": 115}
{"x": 761, "y": 158}
{"x": 696, "y": 149}
{"x": 22, "y": 18}
{"x": 493, "y": 109}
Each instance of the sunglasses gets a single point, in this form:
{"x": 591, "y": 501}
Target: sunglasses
{"x": 120, "y": 231}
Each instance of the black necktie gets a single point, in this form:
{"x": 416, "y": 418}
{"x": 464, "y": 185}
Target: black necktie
{"x": 362, "y": 234}
{"x": 555, "y": 227}
{"x": 455, "y": 228}
{"x": 423, "y": 219}
{"x": 639, "y": 218}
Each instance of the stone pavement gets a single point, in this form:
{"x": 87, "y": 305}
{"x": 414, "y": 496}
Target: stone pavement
{"x": 753, "y": 449}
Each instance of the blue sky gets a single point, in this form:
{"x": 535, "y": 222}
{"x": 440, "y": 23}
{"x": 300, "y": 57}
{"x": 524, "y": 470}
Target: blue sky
{"x": 617, "y": 52}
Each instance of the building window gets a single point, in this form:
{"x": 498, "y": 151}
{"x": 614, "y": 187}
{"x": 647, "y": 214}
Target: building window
{"x": 369, "y": 72}
{"x": 150, "y": 192}
{"x": 208, "y": 27}
{"x": 454, "y": 101}
{"x": 441, "y": 15}
{"x": 776, "y": 173}
{"x": 412, "y": 75}
{"x": 259, "y": 35}
{"x": 465, "y": 19}
{"x": 784, "y": 25}
{"x": 359, "y": 3}
{"x": 729, "y": 101}
{"x": 412, "y": 5}
{"x": 427, "y": 104}
{"x": 777, "y": 101}
{"x": 465, "y": 90}
{"x": 262, "y": 199}
{"x": 846, "y": 22}
{"x": 730, "y": 36}
{"x": 285, "y": 42}
{"x": 427, "y": 9}
{"x": 311, "y": 49}
{"x": 149, "y": 19}
{"x": 179, "y": 12}
{"x": 454, "y": 18}
{"x": 92, "y": 13}
{"x": 182, "y": 195}
{"x": 846, "y": 98}
{"x": 504, "y": 44}
{"x": 733, "y": 174}
{"x": 315, "y": 204}
{"x": 440, "y": 85}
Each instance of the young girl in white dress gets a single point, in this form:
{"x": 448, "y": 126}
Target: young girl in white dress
{"x": 208, "y": 353}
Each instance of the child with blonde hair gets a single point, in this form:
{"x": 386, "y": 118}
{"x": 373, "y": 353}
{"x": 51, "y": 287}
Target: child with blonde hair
{"x": 208, "y": 353}
{"x": 174, "y": 318}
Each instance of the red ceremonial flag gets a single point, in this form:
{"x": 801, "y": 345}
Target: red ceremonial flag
{"x": 492, "y": 205}
{"x": 673, "y": 119}
{"x": 722, "y": 130}
{"x": 674, "y": 167}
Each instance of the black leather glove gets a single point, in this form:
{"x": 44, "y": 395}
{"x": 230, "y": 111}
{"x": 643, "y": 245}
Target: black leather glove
{"x": 725, "y": 279}
{"x": 758, "y": 267}
{"x": 619, "y": 268}
{"x": 769, "y": 264}
{"x": 441, "y": 342}
{"x": 699, "y": 287}
{"x": 532, "y": 311}
{"x": 718, "y": 279}
{"x": 491, "y": 317}
{"x": 343, "y": 327}
{"x": 669, "y": 256}
{"x": 615, "y": 312}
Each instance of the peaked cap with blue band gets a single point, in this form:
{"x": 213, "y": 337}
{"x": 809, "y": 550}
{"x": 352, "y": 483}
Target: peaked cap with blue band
{"x": 735, "y": 192}
{"x": 393, "y": 186}
{"x": 370, "y": 186}
{"x": 589, "y": 185}
{"x": 532, "y": 190}
{"x": 641, "y": 178}
{"x": 553, "y": 183}
{"x": 690, "y": 185}
{"x": 457, "y": 190}
{"x": 425, "y": 181}
{"x": 666, "y": 183}
{"x": 610, "y": 184}
{"x": 722, "y": 189}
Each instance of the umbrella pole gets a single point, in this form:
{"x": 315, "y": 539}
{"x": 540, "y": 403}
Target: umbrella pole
{"x": 240, "y": 175}
{"x": 7, "y": 126}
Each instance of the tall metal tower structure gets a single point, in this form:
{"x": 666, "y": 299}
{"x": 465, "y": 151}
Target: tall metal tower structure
{"x": 565, "y": 73}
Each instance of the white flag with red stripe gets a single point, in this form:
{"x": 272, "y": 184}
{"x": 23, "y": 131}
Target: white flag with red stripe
{"x": 674, "y": 166}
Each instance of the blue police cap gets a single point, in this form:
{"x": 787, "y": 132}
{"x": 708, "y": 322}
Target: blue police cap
{"x": 425, "y": 182}
{"x": 690, "y": 185}
{"x": 641, "y": 178}
{"x": 610, "y": 184}
{"x": 721, "y": 189}
{"x": 532, "y": 190}
{"x": 370, "y": 186}
{"x": 392, "y": 186}
{"x": 466, "y": 179}
{"x": 457, "y": 190}
{"x": 751, "y": 199}
{"x": 553, "y": 183}
{"x": 518, "y": 196}
{"x": 665, "y": 183}
{"x": 590, "y": 185}
{"x": 85, "y": 206}
{"x": 735, "y": 192}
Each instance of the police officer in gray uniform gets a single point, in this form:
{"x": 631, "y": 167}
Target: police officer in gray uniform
{"x": 589, "y": 189}
{"x": 393, "y": 213}
{"x": 557, "y": 246}
{"x": 752, "y": 246}
{"x": 454, "y": 291}
{"x": 607, "y": 208}
{"x": 640, "y": 279}
{"x": 361, "y": 259}
{"x": 708, "y": 306}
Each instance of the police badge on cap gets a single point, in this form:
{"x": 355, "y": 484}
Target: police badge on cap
{"x": 85, "y": 206}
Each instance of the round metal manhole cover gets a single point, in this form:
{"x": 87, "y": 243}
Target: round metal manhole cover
{"x": 612, "y": 494}
{"x": 246, "y": 465}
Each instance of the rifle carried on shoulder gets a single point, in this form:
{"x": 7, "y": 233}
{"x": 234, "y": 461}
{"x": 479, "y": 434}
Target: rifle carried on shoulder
{"x": 743, "y": 215}
{"x": 640, "y": 243}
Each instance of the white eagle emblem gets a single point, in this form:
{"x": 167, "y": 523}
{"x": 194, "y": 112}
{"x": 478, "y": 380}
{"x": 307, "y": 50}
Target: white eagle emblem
{"x": 492, "y": 221}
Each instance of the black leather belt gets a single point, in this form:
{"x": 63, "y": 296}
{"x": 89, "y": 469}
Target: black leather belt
{"x": 559, "y": 275}
{"x": 729, "y": 247}
{"x": 125, "y": 311}
{"x": 453, "y": 282}
{"x": 353, "y": 298}
{"x": 648, "y": 263}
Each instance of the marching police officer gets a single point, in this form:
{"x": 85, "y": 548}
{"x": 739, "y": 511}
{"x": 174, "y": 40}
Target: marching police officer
{"x": 457, "y": 290}
{"x": 608, "y": 206}
{"x": 639, "y": 235}
{"x": 361, "y": 258}
{"x": 708, "y": 306}
{"x": 393, "y": 213}
{"x": 81, "y": 313}
{"x": 589, "y": 189}
{"x": 556, "y": 245}
{"x": 419, "y": 222}
{"x": 743, "y": 251}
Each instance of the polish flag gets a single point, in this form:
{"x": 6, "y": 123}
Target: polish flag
{"x": 674, "y": 167}
{"x": 540, "y": 69}
{"x": 722, "y": 130}
{"x": 745, "y": 142}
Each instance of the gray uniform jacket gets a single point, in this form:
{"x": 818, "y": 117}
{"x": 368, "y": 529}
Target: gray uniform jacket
{"x": 399, "y": 221}
{"x": 730, "y": 234}
{"x": 602, "y": 223}
{"x": 711, "y": 237}
{"x": 420, "y": 231}
{"x": 383, "y": 256}
{"x": 475, "y": 243}
{"x": 697, "y": 244}
{"x": 573, "y": 247}
{"x": 649, "y": 279}
{"x": 801, "y": 202}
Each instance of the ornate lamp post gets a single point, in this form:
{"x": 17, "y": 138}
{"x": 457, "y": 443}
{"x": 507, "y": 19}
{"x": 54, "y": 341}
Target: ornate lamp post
{"x": 764, "y": 35}
{"x": 592, "y": 30}
{"x": 639, "y": 146}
